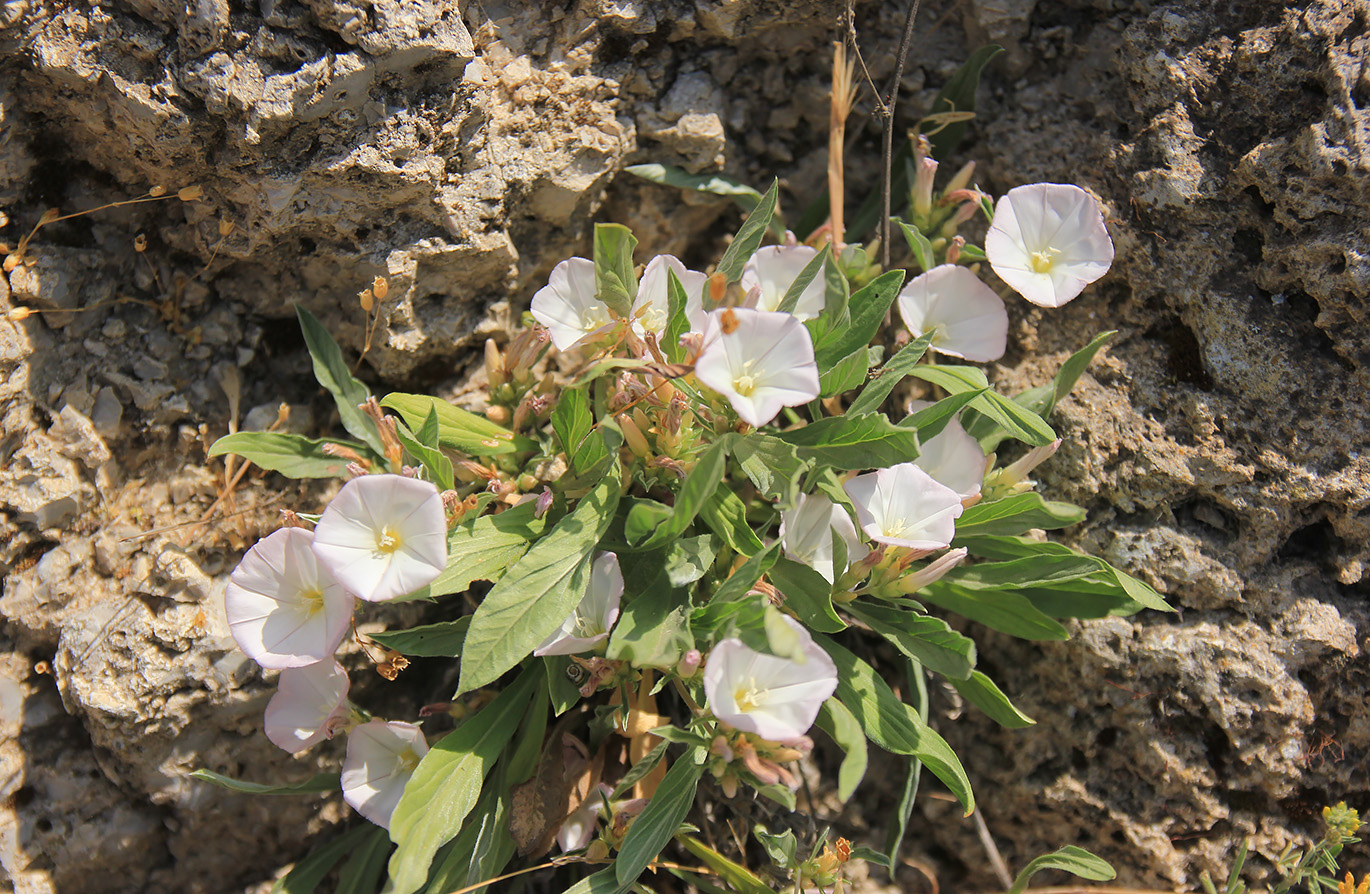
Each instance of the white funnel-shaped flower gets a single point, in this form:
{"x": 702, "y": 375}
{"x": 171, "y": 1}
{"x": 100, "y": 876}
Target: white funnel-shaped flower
{"x": 806, "y": 533}
{"x": 774, "y": 269}
{"x": 905, "y": 506}
{"x": 1048, "y": 241}
{"x": 567, "y": 305}
{"x": 759, "y": 361}
{"x": 381, "y": 756}
{"x": 589, "y": 624}
{"x": 965, "y": 316}
{"x": 307, "y": 704}
{"x": 775, "y": 698}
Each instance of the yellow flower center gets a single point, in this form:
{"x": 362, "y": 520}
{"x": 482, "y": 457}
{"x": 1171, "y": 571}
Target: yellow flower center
{"x": 744, "y": 385}
{"x": 408, "y": 760}
{"x": 747, "y": 698}
{"x": 388, "y": 540}
{"x": 653, "y": 320}
{"x": 315, "y": 599}
{"x": 1042, "y": 261}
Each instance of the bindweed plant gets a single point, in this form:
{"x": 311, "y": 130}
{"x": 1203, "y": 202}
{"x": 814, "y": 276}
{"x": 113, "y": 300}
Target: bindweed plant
{"x": 703, "y": 501}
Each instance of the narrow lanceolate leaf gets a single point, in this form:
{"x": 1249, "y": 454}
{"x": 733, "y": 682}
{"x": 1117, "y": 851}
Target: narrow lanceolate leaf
{"x": 574, "y": 426}
{"x": 891, "y": 374}
{"x": 892, "y": 724}
{"x": 835, "y": 720}
{"x": 854, "y": 442}
{"x": 958, "y": 95}
{"x": 361, "y": 874}
{"x": 844, "y": 375}
{"x": 928, "y": 640}
{"x": 441, "y": 640}
{"x": 294, "y": 456}
{"x": 1075, "y": 860}
{"x": 331, "y": 370}
{"x": 433, "y": 460}
{"x": 739, "y": 878}
{"x": 483, "y": 548}
{"x": 538, "y": 593}
{"x": 677, "y": 322}
{"x": 716, "y": 184}
{"x": 658, "y": 824}
{"x": 321, "y": 782}
{"x": 307, "y": 874}
{"x": 919, "y": 245}
{"x": 997, "y": 609}
{"x": 748, "y": 238}
{"x": 457, "y": 428}
{"x": 868, "y": 308}
{"x": 694, "y": 494}
{"x": 801, "y": 282}
{"x": 1017, "y": 514}
{"x": 447, "y": 782}
{"x": 982, "y": 692}
{"x": 1014, "y": 418}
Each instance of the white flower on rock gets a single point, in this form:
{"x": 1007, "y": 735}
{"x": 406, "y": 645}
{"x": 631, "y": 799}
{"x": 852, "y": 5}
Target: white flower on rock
{"x": 308, "y": 704}
{"x": 965, "y": 316}
{"x": 806, "y": 533}
{"x": 775, "y": 698}
{"x": 952, "y": 456}
{"x": 774, "y": 269}
{"x": 905, "y": 506}
{"x": 759, "y": 361}
{"x": 285, "y": 609}
{"x": 568, "y": 305}
{"x": 589, "y": 624}
{"x": 1048, "y": 241}
{"x": 381, "y": 756}
{"x": 383, "y": 536}
{"x": 651, "y": 309}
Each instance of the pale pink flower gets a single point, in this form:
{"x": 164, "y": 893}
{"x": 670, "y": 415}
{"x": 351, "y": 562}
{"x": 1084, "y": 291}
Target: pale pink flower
{"x": 774, "y": 269}
{"x": 775, "y": 698}
{"x": 1048, "y": 241}
{"x": 651, "y": 309}
{"x": 905, "y": 506}
{"x": 308, "y": 704}
{"x": 578, "y": 829}
{"x": 951, "y": 456}
{"x": 764, "y": 364}
{"x": 568, "y": 305}
{"x": 933, "y": 571}
{"x": 589, "y": 624}
{"x": 384, "y": 536}
{"x": 806, "y": 533}
{"x": 381, "y": 757}
{"x": 965, "y": 316}
{"x": 284, "y": 608}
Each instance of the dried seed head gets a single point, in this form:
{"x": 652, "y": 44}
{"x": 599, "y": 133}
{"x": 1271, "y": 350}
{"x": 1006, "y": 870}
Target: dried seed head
{"x": 226, "y": 227}
{"x": 190, "y": 193}
{"x": 19, "y": 313}
{"x": 140, "y": 242}
{"x": 366, "y": 299}
{"x": 49, "y": 216}
{"x": 380, "y": 287}
{"x": 157, "y": 191}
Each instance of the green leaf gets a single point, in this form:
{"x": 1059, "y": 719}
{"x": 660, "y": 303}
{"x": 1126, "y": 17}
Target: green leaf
{"x": 808, "y": 594}
{"x": 320, "y": 782}
{"x": 537, "y": 594}
{"x": 854, "y": 442}
{"x": 602, "y": 882}
{"x": 835, "y": 720}
{"x": 871, "y": 855}
{"x": 457, "y": 429}
{"x": 677, "y": 321}
{"x": 1017, "y": 514}
{"x": 361, "y": 874}
{"x": 919, "y": 245}
{"x": 997, "y": 609}
{"x": 898, "y": 823}
{"x": 689, "y": 559}
{"x": 294, "y": 456}
{"x": 431, "y": 458}
{"x": 930, "y": 421}
{"x": 653, "y": 630}
{"x": 782, "y": 848}
{"x": 1034, "y": 571}
{"x": 929, "y": 641}
{"x": 447, "y": 782}
{"x": 658, "y": 824}
{"x": 441, "y": 640}
{"x": 888, "y": 376}
{"x": 868, "y": 309}
{"x": 1018, "y": 421}
{"x": 640, "y": 770}
{"x": 573, "y": 424}
{"x": 746, "y": 575}
{"x": 456, "y": 860}
{"x": 772, "y": 465}
{"x": 958, "y": 95}
{"x": 727, "y": 517}
{"x": 428, "y": 432}
{"x": 715, "y": 184}
{"x": 892, "y": 724}
{"x": 748, "y": 238}
{"x": 615, "y": 284}
{"x": 694, "y": 494}
{"x": 801, "y": 282}
{"x": 307, "y": 874}
{"x": 844, "y": 375}
{"x": 1141, "y": 592}
{"x": 563, "y": 693}
{"x": 643, "y": 519}
{"x": 981, "y": 692}
{"x": 740, "y": 879}
{"x": 1075, "y": 860}
{"x": 522, "y": 760}
{"x": 483, "y": 548}
{"x": 331, "y": 370}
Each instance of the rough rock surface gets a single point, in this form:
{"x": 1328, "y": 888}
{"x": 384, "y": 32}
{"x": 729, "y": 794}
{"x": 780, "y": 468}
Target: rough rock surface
{"x": 1220, "y": 442}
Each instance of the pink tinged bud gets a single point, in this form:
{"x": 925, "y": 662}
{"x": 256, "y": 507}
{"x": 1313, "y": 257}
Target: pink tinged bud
{"x": 763, "y": 770}
{"x": 589, "y": 624}
{"x": 954, "y": 249}
{"x": 905, "y": 506}
{"x": 719, "y": 747}
{"x": 381, "y": 757}
{"x": 774, "y": 698}
{"x": 767, "y": 277}
{"x": 765, "y": 363}
{"x": 925, "y": 172}
{"x": 961, "y": 179}
{"x": 962, "y": 214}
{"x": 357, "y": 470}
{"x": 932, "y": 572}
{"x": 285, "y": 608}
{"x": 308, "y": 703}
{"x": 567, "y": 305}
{"x": 1048, "y": 241}
{"x": 689, "y": 663}
{"x": 385, "y": 536}
{"x": 1031, "y": 460}
{"x": 544, "y": 503}
{"x": 729, "y": 785}
{"x": 965, "y": 316}
{"x": 578, "y": 830}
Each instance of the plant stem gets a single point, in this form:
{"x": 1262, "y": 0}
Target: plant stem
{"x": 887, "y": 153}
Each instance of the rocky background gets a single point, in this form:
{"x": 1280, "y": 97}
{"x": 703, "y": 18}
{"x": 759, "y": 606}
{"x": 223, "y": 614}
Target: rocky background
{"x": 1222, "y": 443}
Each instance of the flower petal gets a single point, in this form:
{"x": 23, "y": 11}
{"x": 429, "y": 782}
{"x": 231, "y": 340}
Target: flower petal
{"x": 775, "y": 698}
{"x": 904, "y": 506}
{"x": 775, "y": 268}
{"x": 567, "y": 305}
{"x": 306, "y": 700}
{"x": 1048, "y": 241}
{"x": 381, "y": 756}
{"x": 765, "y": 363}
{"x": 969, "y": 319}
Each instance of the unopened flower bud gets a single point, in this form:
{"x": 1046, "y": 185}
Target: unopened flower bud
{"x": 356, "y": 470}
{"x": 495, "y": 372}
{"x": 1031, "y": 460}
{"x": 932, "y": 572}
{"x": 963, "y": 214}
{"x": 689, "y": 663}
{"x": 596, "y": 852}
{"x": 954, "y": 249}
{"x": 544, "y": 503}
{"x": 291, "y": 519}
{"x": 636, "y": 440}
{"x": 961, "y": 179}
